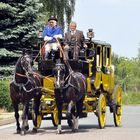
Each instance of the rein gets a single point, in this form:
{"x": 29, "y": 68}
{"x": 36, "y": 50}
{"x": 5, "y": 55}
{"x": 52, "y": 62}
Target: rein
{"x": 21, "y": 75}
{"x": 69, "y": 84}
{"x": 23, "y": 85}
{"x": 64, "y": 56}
{"x": 40, "y": 51}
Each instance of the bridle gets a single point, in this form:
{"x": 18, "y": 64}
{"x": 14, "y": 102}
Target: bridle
{"x": 24, "y": 62}
{"x": 60, "y": 73}
{"x": 67, "y": 81}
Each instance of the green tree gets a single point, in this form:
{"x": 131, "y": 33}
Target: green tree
{"x": 59, "y": 8}
{"x": 127, "y": 72}
{"x": 18, "y": 29}
{"x": 18, "y": 23}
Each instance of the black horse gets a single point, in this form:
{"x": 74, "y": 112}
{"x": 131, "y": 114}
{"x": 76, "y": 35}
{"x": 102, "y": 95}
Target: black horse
{"x": 25, "y": 86}
{"x": 70, "y": 87}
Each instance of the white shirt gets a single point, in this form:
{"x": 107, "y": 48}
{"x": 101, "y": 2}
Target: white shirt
{"x": 73, "y": 32}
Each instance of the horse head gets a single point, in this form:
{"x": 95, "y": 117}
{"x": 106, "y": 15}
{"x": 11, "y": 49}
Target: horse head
{"x": 23, "y": 69}
{"x": 59, "y": 72}
{"x": 26, "y": 63}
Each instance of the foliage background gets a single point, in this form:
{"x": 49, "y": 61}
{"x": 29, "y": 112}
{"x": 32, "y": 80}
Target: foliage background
{"x": 127, "y": 71}
{"x": 5, "y": 101}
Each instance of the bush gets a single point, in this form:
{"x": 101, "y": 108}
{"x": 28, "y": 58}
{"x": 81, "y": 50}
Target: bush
{"x": 131, "y": 98}
{"x": 5, "y": 100}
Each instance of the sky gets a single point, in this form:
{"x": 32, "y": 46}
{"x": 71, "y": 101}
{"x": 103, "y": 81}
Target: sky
{"x": 115, "y": 21}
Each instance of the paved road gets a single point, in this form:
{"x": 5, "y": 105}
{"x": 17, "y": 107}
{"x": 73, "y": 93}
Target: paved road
{"x": 129, "y": 130}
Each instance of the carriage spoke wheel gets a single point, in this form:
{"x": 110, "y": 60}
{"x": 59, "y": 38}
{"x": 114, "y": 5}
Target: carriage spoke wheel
{"x": 117, "y": 108}
{"x": 37, "y": 119}
{"x": 101, "y": 110}
{"x": 55, "y": 117}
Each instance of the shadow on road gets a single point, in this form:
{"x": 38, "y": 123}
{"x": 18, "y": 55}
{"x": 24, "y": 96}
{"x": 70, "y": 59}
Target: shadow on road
{"x": 65, "y": 129}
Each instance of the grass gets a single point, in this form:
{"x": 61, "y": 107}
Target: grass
{"x": 5, "y": 100}
{"x": 131, "y": 98}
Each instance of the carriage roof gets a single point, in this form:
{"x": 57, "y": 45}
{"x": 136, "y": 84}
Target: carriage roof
{"x": 99, "y": 42}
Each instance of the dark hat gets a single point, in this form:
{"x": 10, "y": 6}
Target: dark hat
{"x": 52, "y": 18}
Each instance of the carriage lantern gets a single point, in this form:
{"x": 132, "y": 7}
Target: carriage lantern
{"x": 90, "y": 34}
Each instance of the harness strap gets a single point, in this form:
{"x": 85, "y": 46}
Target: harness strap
{"x": 22, "y": 75}
{"x": 71, "y": 85}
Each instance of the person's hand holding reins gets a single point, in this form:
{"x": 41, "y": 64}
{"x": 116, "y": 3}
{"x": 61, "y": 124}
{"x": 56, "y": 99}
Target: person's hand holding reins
{"x": 48, "y": 38}
{"x": 58, "y": 36}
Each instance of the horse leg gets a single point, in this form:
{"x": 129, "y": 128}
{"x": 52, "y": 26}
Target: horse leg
{"x": 76, "y": 118}
{"x": 75, "y": 123}
{"x": 72, "y": 115}
{"x": 70, "y": 105}
{"x": 73, "y": 118}
{"x": 68, "y": 115}
{"x": 15, "y": 105}
{"x": 23, "y": 130}
{"x": 36, "y": 111}
{"x": 59, "y": 107}
{"x": 79, "y": 107}
{"x": 26, "y": 116}
{"x": 59, "y": 127}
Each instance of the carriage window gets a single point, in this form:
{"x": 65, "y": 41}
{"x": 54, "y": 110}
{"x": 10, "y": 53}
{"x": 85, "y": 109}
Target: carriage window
{"x": 98, "y": 55}
{"x": 104, "y": 56}
{"x": 108, "y": 57}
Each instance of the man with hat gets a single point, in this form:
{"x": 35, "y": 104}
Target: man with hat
{"x": 51, "y": 33}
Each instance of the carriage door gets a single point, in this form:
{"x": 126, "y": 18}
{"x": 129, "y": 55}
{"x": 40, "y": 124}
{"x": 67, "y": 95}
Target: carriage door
{"x": 98, "y": 59}
{"x": 106, "y": 67}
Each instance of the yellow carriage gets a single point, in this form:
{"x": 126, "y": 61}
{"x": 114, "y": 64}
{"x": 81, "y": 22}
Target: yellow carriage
{"x": 95, "y": 62}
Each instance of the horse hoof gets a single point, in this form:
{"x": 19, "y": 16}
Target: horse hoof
{"x": 18, "y": 131}
{"x": 27, "y": 127}
{"x": 74, "y": 130}
{"x": 22, "y": 132}
{"x": 34, "y": 130}
{"x": 59, "y": 131}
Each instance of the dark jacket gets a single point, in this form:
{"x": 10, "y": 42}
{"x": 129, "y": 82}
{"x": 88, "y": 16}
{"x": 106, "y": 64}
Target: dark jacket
{"x": 77, "y": 38}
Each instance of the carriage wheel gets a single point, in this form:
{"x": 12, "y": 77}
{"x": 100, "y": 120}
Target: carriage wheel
{"x": 37, "y": 119}
{"x": 55, "y": 117}
{"x": 101, "y": 110}
{"x": 117, "y": 108}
